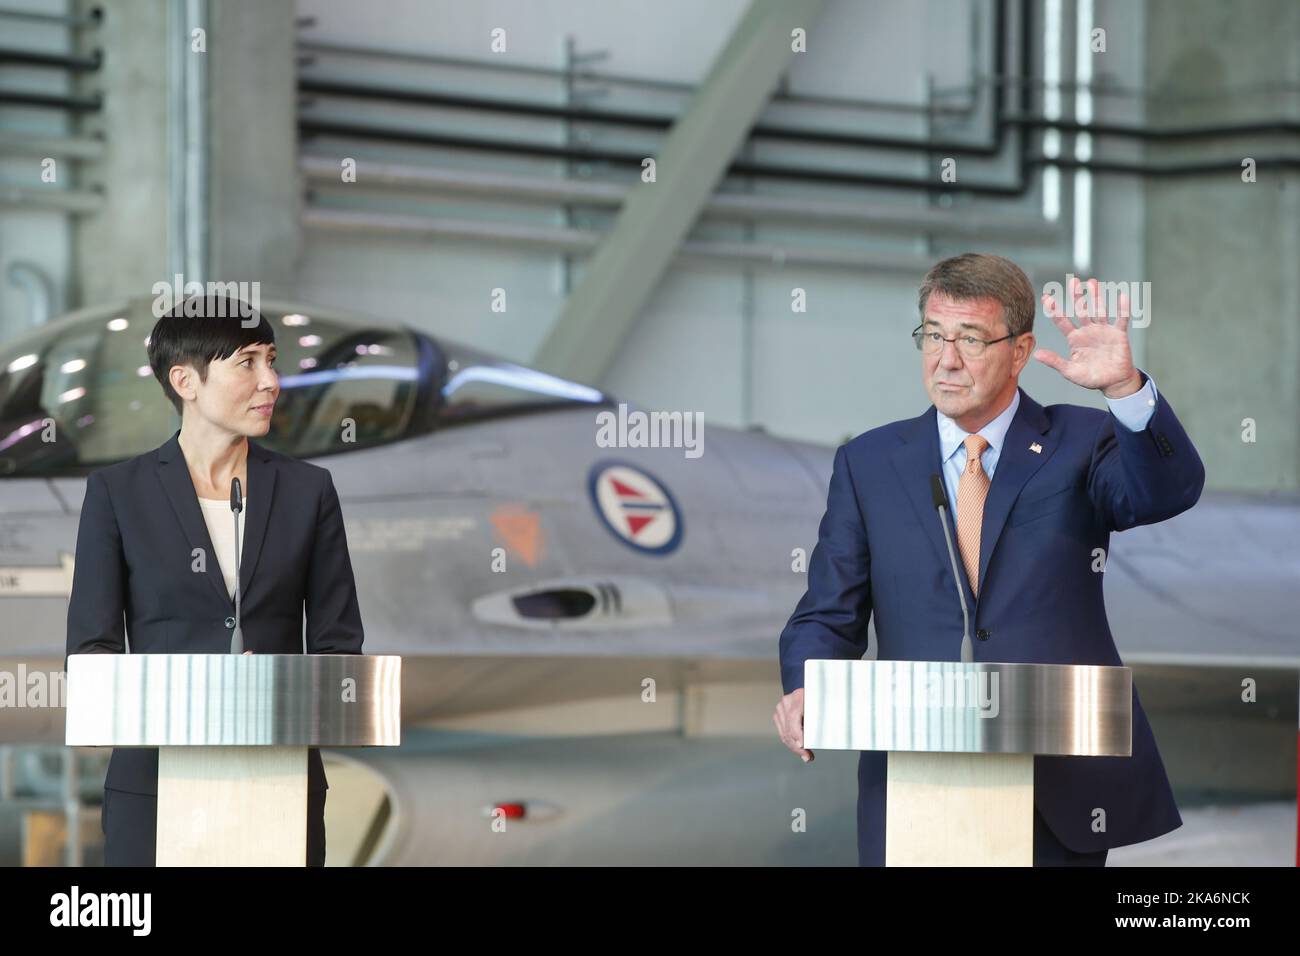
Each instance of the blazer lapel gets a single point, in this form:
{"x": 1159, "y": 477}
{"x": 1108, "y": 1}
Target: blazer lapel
{"x": 174, "y": 475}
{"x": 179, "y": 486}
{"x": 915, "y": 461}
{"x": 261, "y": 486}
{"x": 1017, "y": 463}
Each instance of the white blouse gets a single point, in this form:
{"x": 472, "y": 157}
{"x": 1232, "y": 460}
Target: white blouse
{"x": 221, "y": 529}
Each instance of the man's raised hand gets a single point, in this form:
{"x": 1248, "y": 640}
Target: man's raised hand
{"x": 1099, "y": 350}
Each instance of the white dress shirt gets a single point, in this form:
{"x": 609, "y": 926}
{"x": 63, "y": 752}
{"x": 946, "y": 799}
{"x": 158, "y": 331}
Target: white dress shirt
{"x": 221, "y": 529}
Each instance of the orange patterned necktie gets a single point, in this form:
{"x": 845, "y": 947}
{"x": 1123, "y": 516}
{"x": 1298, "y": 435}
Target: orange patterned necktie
{"x": 972, "y": 489}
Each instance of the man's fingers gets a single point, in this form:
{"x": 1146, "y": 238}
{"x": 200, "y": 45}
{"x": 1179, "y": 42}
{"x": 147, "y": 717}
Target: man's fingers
{"x": 1058, "y": 317}
{"x": 788, "y": 718}
{"x": 1122, "y": 306}
{"x": 793, "y": 733}
{"x": 1051, "y": 306}
{"x": 1098, "y": 304}
{"x": 777, "y": 718}
{"x": 796, "y": 746}
{"x": 1050, "y": 359}
{"x": 1080, "y": 300}
{"x": 791, "y": 736}
{"x": 1089, "y": 307}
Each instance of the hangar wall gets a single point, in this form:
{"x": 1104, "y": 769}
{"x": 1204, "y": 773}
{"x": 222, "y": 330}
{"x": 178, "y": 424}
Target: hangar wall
{"x": 719, "y": 335}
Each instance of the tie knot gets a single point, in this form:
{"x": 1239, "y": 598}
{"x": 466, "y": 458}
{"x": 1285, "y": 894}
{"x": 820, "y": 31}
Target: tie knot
{"x": 975, "y": 445}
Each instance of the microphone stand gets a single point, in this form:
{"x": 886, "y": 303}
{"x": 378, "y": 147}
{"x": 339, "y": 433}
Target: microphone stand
{"x": 941, "y": 502}
{"x": 236, "y": 506}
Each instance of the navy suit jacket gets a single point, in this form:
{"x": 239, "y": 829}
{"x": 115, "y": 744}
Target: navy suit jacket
{"x": 881, "y": 550}
{"x": 140, "y": 523}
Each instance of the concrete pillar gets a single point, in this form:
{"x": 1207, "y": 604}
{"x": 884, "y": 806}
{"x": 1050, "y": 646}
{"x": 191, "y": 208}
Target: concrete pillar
{"x": 252, "y": 179}
{"x": 253, "y": 137}
{"x": 1223, "y": 256}
{"x": 122, "y": 249}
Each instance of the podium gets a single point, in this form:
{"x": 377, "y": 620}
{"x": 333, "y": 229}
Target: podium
{"x": 232, "y": 733}
{"x": 961, "y": 740}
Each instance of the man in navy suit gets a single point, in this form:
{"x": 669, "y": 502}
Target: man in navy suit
{"x": 1036, "y": 493}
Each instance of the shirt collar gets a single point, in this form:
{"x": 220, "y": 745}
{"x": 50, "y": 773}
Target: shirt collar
{"x": 952, "y": 435}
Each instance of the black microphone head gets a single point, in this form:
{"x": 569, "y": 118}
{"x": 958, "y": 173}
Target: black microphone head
{"x": 937, "y": 493}
{"x": 236, "y": 498}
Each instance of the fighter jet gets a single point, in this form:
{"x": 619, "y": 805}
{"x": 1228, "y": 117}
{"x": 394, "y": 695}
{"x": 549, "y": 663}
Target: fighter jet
{"x": 485, "y": 511}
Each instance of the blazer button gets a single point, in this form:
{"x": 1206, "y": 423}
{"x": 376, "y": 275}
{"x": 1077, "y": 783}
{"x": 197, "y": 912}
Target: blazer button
{"x": 983, "y": 633}
{"x": 230, "y": 622}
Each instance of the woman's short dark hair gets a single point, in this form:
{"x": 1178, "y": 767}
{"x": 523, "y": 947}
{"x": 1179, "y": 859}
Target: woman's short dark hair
{"x": 199, "y": 331}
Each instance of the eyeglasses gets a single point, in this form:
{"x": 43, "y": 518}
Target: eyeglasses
{"x": 967, "y": 345}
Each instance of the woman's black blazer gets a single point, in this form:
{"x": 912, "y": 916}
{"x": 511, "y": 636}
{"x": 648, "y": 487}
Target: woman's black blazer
{"x": 132, "y": 580}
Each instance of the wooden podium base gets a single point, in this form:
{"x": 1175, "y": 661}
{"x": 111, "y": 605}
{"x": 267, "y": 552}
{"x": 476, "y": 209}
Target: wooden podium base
{"x": 959, "y": 809}
{"x": 232, "y": 806}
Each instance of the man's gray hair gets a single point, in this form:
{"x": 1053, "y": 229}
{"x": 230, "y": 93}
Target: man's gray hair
{"x": 978, "y": 275}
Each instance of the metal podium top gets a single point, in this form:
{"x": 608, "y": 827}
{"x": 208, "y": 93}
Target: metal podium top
{"x": 1064, "y": 709}
{"x": 213, "y": 700}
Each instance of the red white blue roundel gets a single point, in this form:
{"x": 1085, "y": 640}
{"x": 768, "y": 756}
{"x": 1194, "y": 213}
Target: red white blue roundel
{"x": 635, "y": 507}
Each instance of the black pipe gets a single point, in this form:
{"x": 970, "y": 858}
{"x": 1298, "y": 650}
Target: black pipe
{"x": 1023, "y": 161}
{"x": 333, "y": 88}
{"x": 803, "y": 136}
{"x": 316, "y": 87}
{"x": 310, "y": 127}
{"x": 1201, "y": 168}
{"x": 60, "y": 61}
{"x": 76, "y": 104}
{"x": 315, "y": 127}
{"x": 309, "y": 48}
{"x": 1258, "y": 128}
{"x": 92, "y": 20}
{"x": 1025, "y": 70}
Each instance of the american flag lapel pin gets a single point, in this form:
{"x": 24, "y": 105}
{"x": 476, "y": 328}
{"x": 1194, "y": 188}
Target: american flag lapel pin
{"x": 1036, "y": 448}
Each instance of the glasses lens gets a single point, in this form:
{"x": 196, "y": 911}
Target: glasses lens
{"x": 932, "y": 342}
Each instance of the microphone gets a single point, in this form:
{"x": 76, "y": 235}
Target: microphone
{"x": 941, "y": 503}
{"x": 236, "y": 506}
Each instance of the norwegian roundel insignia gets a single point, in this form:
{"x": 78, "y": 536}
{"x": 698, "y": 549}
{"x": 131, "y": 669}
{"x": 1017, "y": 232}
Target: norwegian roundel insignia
{"x": 635, "y": 507}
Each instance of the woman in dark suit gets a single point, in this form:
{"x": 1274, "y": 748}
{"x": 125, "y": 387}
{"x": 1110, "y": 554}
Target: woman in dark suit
{"x": 139, "y": 577}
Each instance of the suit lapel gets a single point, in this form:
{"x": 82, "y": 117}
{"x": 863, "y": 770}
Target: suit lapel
{"x": 915, "y": 461}
{"x": 261, "y": 486}
{"x": 1017, "y": 463}
{"x": 917, "y": 458}
{"x": 179, "y": 486}
{"x": 174, "y": 474}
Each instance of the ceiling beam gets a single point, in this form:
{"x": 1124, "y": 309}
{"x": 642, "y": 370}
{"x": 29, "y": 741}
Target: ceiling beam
{"x": 620, "y": 277}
